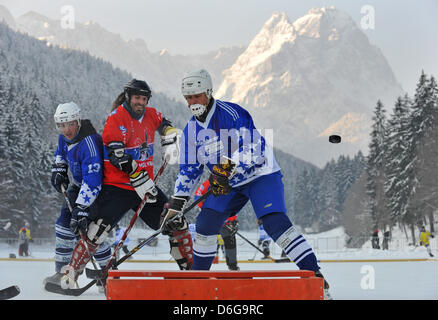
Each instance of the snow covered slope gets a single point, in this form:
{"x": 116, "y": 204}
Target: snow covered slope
{"x": 302, "y": 77}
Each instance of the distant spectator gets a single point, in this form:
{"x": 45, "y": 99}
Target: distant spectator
{"x": 386, "y": 238}
{"x": 23, "y": 240}
{"x": 424, "y": 239}
{"x": 375, "y": 240}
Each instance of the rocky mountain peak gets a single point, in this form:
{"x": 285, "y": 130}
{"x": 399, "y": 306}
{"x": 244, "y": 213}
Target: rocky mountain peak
{"x": 300, "y": 78}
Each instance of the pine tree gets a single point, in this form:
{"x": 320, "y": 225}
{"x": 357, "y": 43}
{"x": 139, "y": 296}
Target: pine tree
{"x": 375, "y": 167}
{"x": 327, "y": 198}
{"x": 425, "y": 117}
{"x": 421, "y": 122}
{"x": 396, "y": 185}
{"x": 424, "y": 107}
{"x": 304, "y": 199}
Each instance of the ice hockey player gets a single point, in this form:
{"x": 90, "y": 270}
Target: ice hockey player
{"x": 128, "y": 138}
{"x": 217, "y": 130}
{"x": 80, "y": 149}
{"x": 425, "y": 235}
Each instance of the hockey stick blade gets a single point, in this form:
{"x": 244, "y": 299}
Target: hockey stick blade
{"x": 9, "y": 292}
{"x": 54, "y": 288}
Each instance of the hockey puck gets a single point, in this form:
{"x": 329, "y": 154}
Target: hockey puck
{"x": 335, "y": 138}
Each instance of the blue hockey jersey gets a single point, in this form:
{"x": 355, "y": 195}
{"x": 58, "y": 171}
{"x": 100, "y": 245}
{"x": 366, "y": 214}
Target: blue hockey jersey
{"x": 84, "y": 157}
{"x": 227, "y": 131}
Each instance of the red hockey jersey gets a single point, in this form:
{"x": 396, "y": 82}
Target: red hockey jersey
{"x": 138, "y": 137}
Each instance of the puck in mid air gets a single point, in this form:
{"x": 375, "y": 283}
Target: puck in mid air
{"x": 335, "y": 138}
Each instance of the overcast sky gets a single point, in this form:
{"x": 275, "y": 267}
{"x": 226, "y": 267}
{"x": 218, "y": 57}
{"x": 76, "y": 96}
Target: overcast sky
{"x": 405, "y": 30}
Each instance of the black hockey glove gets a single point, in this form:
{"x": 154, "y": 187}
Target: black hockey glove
{"x": 120, "y": 159}
{"x": 59, "y": 176}
{"x": 79, "y": 219}
{"x": 219, "y": 176}
{"x": 174, "y": 207}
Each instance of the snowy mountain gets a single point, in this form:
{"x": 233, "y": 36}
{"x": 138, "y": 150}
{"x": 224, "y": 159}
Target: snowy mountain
{"x": 161, "y": 70}
{"x": 352, "y": 127}
{"x": 321, "y": 67}
{"x": 305, "y": 77}
{"x": 6, "y": 17}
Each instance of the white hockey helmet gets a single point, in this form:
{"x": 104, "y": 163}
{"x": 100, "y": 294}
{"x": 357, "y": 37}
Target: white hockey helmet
{"x": 196, "y": 82}
{"x": 67, "y": 112}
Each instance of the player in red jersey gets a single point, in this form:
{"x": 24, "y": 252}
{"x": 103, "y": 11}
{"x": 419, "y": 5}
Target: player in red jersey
{"x": 128, "y": 138}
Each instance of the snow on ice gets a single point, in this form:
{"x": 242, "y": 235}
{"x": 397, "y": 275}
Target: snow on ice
{"x": 353, "y": 274}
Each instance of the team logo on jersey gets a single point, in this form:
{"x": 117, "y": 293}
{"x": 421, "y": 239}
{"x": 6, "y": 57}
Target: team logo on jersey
{"x": 123, "y": 130}
{"x": 146, "y": 151}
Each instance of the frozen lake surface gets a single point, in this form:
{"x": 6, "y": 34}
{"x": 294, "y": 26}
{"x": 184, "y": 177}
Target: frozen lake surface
{"x": 353, "y": 274}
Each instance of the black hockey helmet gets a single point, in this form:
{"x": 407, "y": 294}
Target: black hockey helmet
{"x": 137, "y": 87}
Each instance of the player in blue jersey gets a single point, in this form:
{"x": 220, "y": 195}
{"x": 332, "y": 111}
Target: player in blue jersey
{"x": 80, "y": 149}
{"x": 216, "y": 131}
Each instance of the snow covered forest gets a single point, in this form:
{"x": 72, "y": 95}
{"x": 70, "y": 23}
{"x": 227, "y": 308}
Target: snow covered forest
{"x": 393, "y": 184}
{"x": 401, "y": 170}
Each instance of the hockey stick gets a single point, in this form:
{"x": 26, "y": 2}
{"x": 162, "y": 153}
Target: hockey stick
{"x": 112, "y": 260}
{"x": 76, "y": 292}
{"x": 9, "y": 292}
{"x": 70, "y": 207}
{"x": 202, "y": 198}
{"x": 96, "y": 274}
{"x": 51, "y": 287}
{"x": 253, "y": 258}
{"x": 267, "y": 256}
{"x": 234, "y": 232}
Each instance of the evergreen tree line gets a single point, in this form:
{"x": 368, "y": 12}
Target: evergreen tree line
{"x": 34, "y": 79}
{"x": 401, "y": 170}
{"x": 319, "y": 194}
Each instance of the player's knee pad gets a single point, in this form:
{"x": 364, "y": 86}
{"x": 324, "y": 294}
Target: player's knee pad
{"x": 181, "y": 248}
{"x": 205, "y": 245}
{"x": 98, "y": 231}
